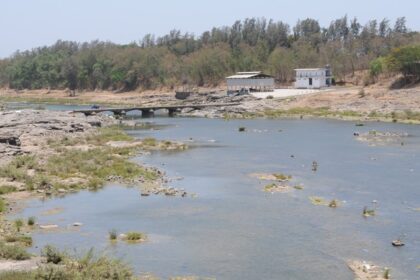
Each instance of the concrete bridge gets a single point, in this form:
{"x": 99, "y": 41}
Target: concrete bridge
{"x": 148, "y": 111}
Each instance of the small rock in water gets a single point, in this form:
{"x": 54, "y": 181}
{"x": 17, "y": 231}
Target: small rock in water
{"x": 122, "y": 236}
{"x": 77, "y": 224}
{"x": 397, "y": 243}
{"x": 48, "y": 226}
{"x": 366, "y": 267}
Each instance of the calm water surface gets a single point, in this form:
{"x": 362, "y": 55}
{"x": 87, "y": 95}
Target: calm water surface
{"x": 233, "y": 230}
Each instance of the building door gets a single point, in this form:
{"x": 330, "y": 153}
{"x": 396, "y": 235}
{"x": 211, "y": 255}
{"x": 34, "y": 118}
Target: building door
{"x": 310, "y": 81}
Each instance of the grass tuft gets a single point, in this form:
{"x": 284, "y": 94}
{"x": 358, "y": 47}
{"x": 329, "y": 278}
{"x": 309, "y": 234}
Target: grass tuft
{"x": 2, "y": 205}
{"x": 134, "y": 236}
{"x": 52, "y": 254}
{"x": 387, "y": 273}
{"x": 113, "y": 235}
{"x": 368, "y": 212}
{"x": 333, "y": 203}
{"x": 13, "y": 252}
{"x": 282, "y": 177}
{"x": 23, "y": 239}
{"x": 316, "y": 200}
{"x": 18, "y": 224}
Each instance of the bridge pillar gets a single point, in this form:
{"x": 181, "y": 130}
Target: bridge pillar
{"x": 119, "y": 113}
{"x": 172, "y": 112}
{"x": 147, "y": 113}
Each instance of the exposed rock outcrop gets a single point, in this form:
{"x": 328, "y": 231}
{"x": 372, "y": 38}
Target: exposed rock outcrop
{"x": 23, "y": 131}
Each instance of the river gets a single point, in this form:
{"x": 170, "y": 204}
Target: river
{"x": 232, "y": 229}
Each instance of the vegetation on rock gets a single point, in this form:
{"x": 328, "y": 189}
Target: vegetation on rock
{"x": 13, "y": 252}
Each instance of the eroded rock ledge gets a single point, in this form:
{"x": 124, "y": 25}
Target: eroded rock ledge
{"x": 23, "y": 132}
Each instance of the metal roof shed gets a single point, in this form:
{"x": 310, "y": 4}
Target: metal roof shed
{"x": 252, "y": 81}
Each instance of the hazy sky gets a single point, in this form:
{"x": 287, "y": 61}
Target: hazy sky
{"x": 25, "y": 24}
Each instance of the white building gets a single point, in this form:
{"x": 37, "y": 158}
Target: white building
{"x": 250, "y": 81}
{"x": 313, "y": 77}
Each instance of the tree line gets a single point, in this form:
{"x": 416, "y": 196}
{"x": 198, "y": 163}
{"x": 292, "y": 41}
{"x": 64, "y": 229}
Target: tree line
{"x": 176, "y": 58}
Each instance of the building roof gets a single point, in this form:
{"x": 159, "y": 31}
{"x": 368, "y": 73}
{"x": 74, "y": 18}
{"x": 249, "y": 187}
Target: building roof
{"x": 249, "y": 75}
{"x": 310, "y": 69}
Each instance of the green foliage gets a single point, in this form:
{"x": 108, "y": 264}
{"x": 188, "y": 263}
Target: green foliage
{"x": 316, "y": 200}
{"x": 333, "y": 203}
{"x": 377, "y": 66}
{"x": 113, "y": 235}
{"x": 97, "y": 164}
{"x": 133, "y": 236}
{"x": 52, "y": 254}
{"x": 17, "y": 275}
{"x": 13, "y": 252}
{"x": 270, "y": 187}
{"x": 368, "y": 212}
{"x": 18, "y": 224}
{"x": 149, "y": 142}
{"x": 23, "y": 239}
{"x": 299, "y": 187}
{"x": 92, "y": 167}
{"x": 86, "y": 267}
{"x": 5, "y": 189}
{"x": 387, "y": 273}
{"x": 2, "y": 205}
{"x": 31, "y": 221}
{"x": 176, "y": 59}
{"x": 282, "y": 177}
{"x": 406, "y": 60}
{"x": 107, "y": 134}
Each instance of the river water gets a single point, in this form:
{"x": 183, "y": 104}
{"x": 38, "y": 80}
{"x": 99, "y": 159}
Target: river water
{"x": 234, "y": 230}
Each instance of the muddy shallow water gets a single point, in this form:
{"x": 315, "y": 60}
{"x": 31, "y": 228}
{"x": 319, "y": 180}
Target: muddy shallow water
{"x": 234, "y": 230}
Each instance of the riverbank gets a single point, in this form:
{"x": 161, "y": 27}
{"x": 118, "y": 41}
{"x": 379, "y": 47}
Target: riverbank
{"x": 374, "y": 103}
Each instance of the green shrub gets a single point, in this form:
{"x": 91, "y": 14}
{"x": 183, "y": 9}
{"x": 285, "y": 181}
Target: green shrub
{"x": 282, "y": 177}
{"x": 377, "y": 67}
{"x": 52, "y": 254}
{"x": 31, "y": 221}
{"x": 5, "y": 189}
{"x": 387, "y": 273}
{"x": 149, "y": 142}
{"x": 135, "y": 236}
{"x": 368, "y": 212}
{"x": 24, "y": 239}
{"x": 113, "y": 234}
{"x": 17, "y": 275}
{"x": 53, "y": 272}
{"x": 87, "y": 267}
{"x": 2, "y": 205}
{"x": 18, "y": 224}
{"x": 333, "y": 203}
{"x": 13, "y": 252}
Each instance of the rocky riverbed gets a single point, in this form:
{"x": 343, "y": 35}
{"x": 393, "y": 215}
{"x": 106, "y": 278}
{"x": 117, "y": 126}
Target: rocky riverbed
{"x": 24, "y": 132}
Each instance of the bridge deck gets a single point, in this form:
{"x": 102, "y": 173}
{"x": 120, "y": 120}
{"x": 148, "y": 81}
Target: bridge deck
{"x": 154, "y": 108}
